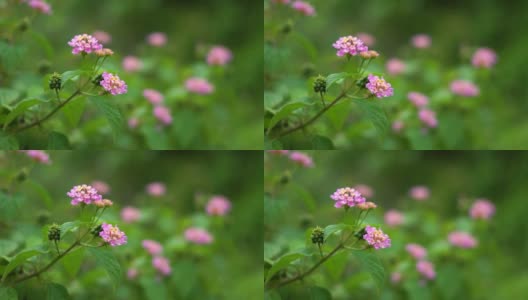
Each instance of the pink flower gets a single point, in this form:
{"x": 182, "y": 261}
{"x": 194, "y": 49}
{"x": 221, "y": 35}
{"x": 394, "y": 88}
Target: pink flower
{"x": 130, "y": 214}
{"x": 379, "y": 87}
{"x": 101, "y": 187}
{"x": 367, "y": 39}
{"x": 102, "y": 36}
{"x": 426, "y": 269}
{"x": 153, "y": 96}
{"x": 397, "y": 126}
{"x": 395, "y": 66}
{"x": 39, "y": 156}
{"x": 464, "y": 88}
{"x": 365, "y": 190}
{"x": 376, "y": 238}
{"x": 198, "y": 236}
{"x": 157, "y": 39}
{"x": 462, "y": 239}
{"x": 219, "y": 55}
{"x": 393, "y": 218}
{"x": 418, "y": 99}
{"x": 84, "y": 43}
{"x": 396, "y": 277}
{"x": 279, "y": 152}
{"x": 156, "y": 189}
{"x": 218, "y": 206}
{"x": 113, "y": 84}
{"x": 132, "y": 64}
{"x": 162, "y": 265}
{"x": 428, "y": 117}
{"x": 304, "y": 8}
{"x": 347, "y": 197}
{"x": 133, "y": 123}
{"x": 112, "y": 235}
{"x": 132, "y": 273}
{"x": 40, "y": 6}
{"x": 484, "y": 58}
{"x": 83, "y": 194}
{"x": 482, "y": 209}
{"x": 419, "y": 192}
{"x": 199, "y": 86}
{"x": 349, "y": 45}
{"x": 152, "y": 247}
{"x": 421, "y": 41}
{"x": 163, "y": 114}
{"x": 302, "y": 159}
{"x": 416, "y": 251}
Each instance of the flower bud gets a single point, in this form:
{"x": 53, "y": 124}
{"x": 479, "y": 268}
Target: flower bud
{"x": 369, "y": 54}
{"x": 287, "y": 27}
{"x": 54, "y": 233}
{"x": 104, "y": 52}
{"x": 55, "y": 82}
{"x": 23, "y": 25}
{"x": 318, "y": 235}
{"x": 103, "y": 203}
{"x": 320, "y": 85}
{"x": 367, "y": 205}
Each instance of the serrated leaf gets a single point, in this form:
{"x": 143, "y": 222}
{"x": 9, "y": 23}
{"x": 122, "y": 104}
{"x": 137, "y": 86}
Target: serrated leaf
{"x": 334, "y": 228}
{"x": 56, "y": 291}
{"x": 111, "y": 113}
{"x": 8, "y": 293}
{"x": 372, "y": 264}
{"x": 282, "y": 263}
{"x": 375, "y": 113}
{"x": 58, "y": 141}
{"x": 21, "y": 258}
{"x": 335, "y": 78}
{"x": 21, "y": 107}
{"x": 107, "y": 260}
{"x": 283, "y": 113}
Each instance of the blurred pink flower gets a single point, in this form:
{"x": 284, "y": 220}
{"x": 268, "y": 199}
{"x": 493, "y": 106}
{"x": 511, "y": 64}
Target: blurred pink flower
{"x": 130, "y": 214}
{"x": 426, "y": 269}
{"x": 416, "y": 251}
{"x": 101, "y": 186}
{"x": 198, "y": 236}
{"x": 428, "y": 117}
{"x": 102, "y": 36}
{"x": 152, "y": 247}
{"x": 482, "y": 209}
{"x": 157, "y": 39}
{"x": 421, "y": 41}
{"x": 419, "y": 192}
{"x": 162, "y": 265}
{"x": 397, "y": 126}
{"x": 199, "y": 86}
{"x": 153, "y": 96}
{"x": 304, "y": 8}
{"x": 418, "y": 99}
{"x": 462, "y": 239}
{"x": 302, "y": 159}
{"x": 40, "y": 6}
{"x": 218, "y": 206}
{"x": 349, "y": 45}
{"x": 112, "y": 235}
{"x": 163, "y": 114}
{"x": 393, "y": 218}
{"x": 156, "y": 189}
{"x": 132, "y": 273}
{"x": 395, "y": 66}
{"x": 133, "y": 123}
{"x": 396, "y": 277}
{"x": 484, "y": 58}
{"x": 83, "y": 194}
{"x": 219, "y": 55}
{"x": 464, "y": 88}
{"x": 38, "y": 156}
{"x": 84, "y": 43}
{"x": 376, "y": 238}
{"x": 365, "y": 190}
{"x": 132, "y": 64}
{"x": 379, "y": 87}
{"x": 367, "y": 39}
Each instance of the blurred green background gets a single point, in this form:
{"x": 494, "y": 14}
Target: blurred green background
{"x": 227, "y": 269}
{"x": 455, "y": 179}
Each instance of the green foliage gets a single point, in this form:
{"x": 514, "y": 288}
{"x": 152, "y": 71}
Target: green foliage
{"x": 372, "y": 264}
{"x": 20, "y": 259}
{"x": 8, "y": 293}
{"x": 107, "y": 260}
{"x": 56, "y": 291}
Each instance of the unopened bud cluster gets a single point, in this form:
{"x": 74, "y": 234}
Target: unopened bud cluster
{"x": 319, "y": 85}
{"x": 318, "y": 235}
{"x": 55, "y": 82}
{"x": 54, "y": 233}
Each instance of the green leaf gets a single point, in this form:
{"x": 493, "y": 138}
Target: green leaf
{"x": 58, "y": 141}
{"x": 111, "y": 112}
{"x": 20, "y": 109}
{"x": 284, "y": 112}
{"x": 320, "y": 142}
{"x": 415, "y": 291}
{"x": 8, "y": 293}
{"x": 272, "y": 295}
{"x": 153, "y": 289}
{"x": 451, "y": 129}
{"x": 71, "y": 75}
{"x": 7, "y": 246}
{"x": 319, "y": 293}
{"x": 375, "y": 113}
{"x": 370, "y": 261}
{"x": 335, "y": 78}
{"x": 8, "y": 95}
{"x": 56, "y": 291}
{"x": 72, "y": 262}
{"x": 107, "y": 260}
{"x": 74, "y": 111}
{"x": 8, "y": 142}
{"x": 282, "y": 263}
{"x": 336, "y": 265}
{"x": 21, "y": 258}
{"x": 331, "y": 229}
{"x": 68, "y": 226}
{"x": 338, "y": 113}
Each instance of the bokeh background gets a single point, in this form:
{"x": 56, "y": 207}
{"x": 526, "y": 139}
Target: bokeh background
{"x": 227, "y": 269}
{"x": 455, "y": 180}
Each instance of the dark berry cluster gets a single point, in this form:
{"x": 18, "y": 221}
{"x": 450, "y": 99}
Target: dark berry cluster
{"x": 54, "y": 233}
{"x": 318, "y": 235}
